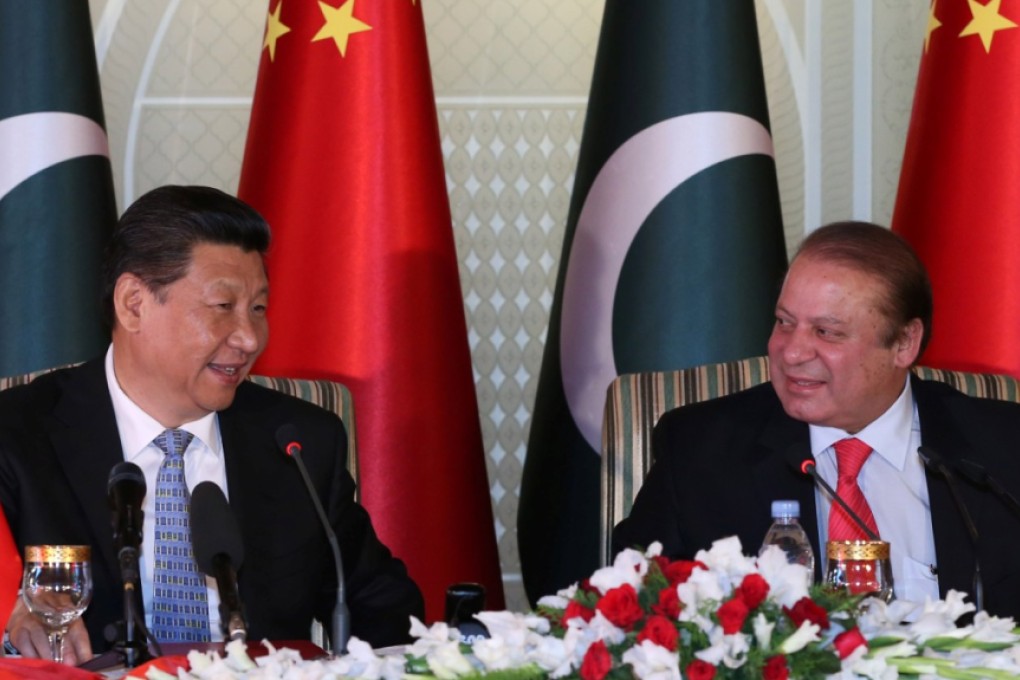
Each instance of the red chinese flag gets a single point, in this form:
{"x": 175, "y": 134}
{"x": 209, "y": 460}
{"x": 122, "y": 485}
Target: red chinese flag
{"x": 10, "y": 572}
{"x": 343, "y": 159}
{"x": 959, "y": 193}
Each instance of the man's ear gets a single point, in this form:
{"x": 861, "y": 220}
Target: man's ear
{"x": 908, "y": 344}
{"x": 129, "y": 294}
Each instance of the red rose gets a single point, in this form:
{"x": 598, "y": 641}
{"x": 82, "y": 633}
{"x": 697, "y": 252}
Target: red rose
{"x": 775, "y": 668}
{"x": 661, "y": 631}
{"x": 678, "y": 572}
{"x": 732, "y": 615}
{"x": 574, "y": 610}
{"x": 585, "y": 586}
{"x": 668, "y": 604}
{"x": 753, "y": 590}
{"x": 620, "y": 606}
{"x": 807, "y": 610}
{"x": 597, "y": 662}
{"x": 847, "y": 641}
{"x": 700, "y": 670}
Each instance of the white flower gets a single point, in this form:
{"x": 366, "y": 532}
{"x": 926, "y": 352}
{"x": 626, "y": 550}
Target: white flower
{"x": 763, "y": 630}
{"x": 550, "y": 654}
{"x": 361, "y": 661}
{"x": 726, "y": 559}
{"x": 561, "y": 599}
{"x": 879, "y": 619}
{"x": 989, "y": 628}
{"x": 788, "y": 582}
{"x": 806, "y": 634}
{"x": 513, "y": 625}
{"x": 653, "y": 550}
{"x": 629, "y": 567}
{"x": 729, "y": 650}
{"x": 702, "y": 587}
{"x": 938, "y": 618}
{"x": 861, "y": 665}
{"x": 653, "y": 662}
{"x": 447, "y": 662}
{"x": 429, "y": 637}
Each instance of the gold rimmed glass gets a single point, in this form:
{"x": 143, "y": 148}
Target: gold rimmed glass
{"x": 860, "y": 567}
{"x": 57, "y": 587}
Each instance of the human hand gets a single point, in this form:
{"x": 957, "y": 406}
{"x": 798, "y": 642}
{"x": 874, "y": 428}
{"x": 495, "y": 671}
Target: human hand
{"x": 29, "y": 637}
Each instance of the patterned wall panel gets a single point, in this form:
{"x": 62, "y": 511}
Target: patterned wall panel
{"x": 509, "y": 172}
{"x": 511, "y": 79}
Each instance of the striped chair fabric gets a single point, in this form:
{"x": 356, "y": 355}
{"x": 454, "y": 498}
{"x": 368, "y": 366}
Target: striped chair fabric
{"x": 330, "y": 395}
{"x": 635, "y": 402}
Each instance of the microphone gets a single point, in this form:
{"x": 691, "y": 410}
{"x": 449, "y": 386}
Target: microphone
{"x": 219, "y": 553}
{"x": 808, "y": 467}
{"x": 288, "y": 441}
{"x": 931, "y": 459}
{"x": 125, "y": 491}
{"x": 976, "y": 474}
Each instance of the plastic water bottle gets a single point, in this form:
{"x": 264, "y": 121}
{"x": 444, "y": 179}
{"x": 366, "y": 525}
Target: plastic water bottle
{"x": 787, "y": 533}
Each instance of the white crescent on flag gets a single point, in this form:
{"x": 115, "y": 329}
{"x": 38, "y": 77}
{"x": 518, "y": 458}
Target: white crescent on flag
{"x": 33, "y": 142}
{"x": 635, "y": 179}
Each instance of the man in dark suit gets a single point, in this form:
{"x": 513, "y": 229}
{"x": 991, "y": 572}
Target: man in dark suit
{"x": 853, "y": 316}
{"x": 186, "y": 294}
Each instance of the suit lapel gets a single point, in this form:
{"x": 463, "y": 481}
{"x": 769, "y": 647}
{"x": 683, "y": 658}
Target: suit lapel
{"x": 953, "y": 546}
{"x": 782, "y": 447}
{"x": 85, "y": 439}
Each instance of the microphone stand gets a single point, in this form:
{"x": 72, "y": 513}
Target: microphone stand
{"x": 135, "y": 649}
{"x": 977, "y": 474}
{"x": 931, "y": 458}
{"x": 341, "y": 624}
{"x": 808, "y": 467}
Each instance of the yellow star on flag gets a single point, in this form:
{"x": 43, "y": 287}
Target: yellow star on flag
{"x": 340, "y": 25}
{"x": 986, "y": 21}
{"x": 274, "y": 29}
{"x": 933, "y": 23}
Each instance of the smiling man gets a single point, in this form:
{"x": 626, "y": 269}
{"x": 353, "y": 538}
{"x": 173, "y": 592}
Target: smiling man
{"x": 186, "y": 296}
{"x": 853, "y": 316}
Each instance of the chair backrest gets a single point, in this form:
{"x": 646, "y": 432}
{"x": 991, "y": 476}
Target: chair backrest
{"x": 330, "y": 395}
{"x": 635, "y": 402}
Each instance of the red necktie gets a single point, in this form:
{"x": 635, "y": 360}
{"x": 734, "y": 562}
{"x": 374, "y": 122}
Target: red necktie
{"x": 850, "y": 457}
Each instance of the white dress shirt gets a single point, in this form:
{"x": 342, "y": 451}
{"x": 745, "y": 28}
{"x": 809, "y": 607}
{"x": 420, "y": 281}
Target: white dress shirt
{"x": 893, "y": 482}
{"x": 203, "y": 461}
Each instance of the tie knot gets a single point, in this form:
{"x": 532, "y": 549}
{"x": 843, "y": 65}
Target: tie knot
{"x": 850, "y": 456}
{"x": 173, "y": 442}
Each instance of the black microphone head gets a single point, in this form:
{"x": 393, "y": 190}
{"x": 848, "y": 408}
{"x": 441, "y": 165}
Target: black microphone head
{"x": 807, "y": 466}
{"x": 287, "y": 438}
{"x": 126, "y": 478}
{"x": 214, "y": 528}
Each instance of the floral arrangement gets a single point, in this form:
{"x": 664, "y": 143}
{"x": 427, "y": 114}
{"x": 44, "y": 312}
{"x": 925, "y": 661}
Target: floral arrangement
{"x": 721, "y": 615}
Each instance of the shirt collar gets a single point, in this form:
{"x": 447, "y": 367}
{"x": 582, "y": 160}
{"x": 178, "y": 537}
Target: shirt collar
{"x": 137, "y": 428}
{"x": 888, "y": 435}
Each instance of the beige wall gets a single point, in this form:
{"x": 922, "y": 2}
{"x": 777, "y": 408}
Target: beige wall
{"x": 511, "y": 80}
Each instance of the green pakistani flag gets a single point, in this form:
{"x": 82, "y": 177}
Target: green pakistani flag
{"x": 56, "y": 189}
{"x": 673, "y": 253}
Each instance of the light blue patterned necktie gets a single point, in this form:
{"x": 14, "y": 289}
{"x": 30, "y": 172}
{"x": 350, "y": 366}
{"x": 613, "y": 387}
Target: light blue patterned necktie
{"x": 180, "y": 612}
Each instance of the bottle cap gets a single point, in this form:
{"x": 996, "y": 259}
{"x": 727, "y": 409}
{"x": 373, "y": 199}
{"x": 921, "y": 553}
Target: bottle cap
{"x": 785, "y": 509}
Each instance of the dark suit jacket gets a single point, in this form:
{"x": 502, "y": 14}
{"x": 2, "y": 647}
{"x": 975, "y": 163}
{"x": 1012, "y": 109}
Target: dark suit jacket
{"x": 720, "y": 464}
{"x": 59, "y": 439}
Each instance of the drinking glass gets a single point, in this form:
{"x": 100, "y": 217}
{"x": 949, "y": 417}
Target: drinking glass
{"x": 860, "y": 567}
{"x": 57, "y": 587}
